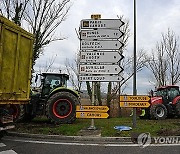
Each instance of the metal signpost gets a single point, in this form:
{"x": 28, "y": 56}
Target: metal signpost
{"x": 100, "y": 45}
{"x": 101, "y": 34}
{"x": 95, "y": 112}
{"x": 99, "y": 69}
{"x": 101, "y": 23}
{"x": 133, "y": 101}
{"x": 99, "y": 55}
{"x": 101, "y": 78}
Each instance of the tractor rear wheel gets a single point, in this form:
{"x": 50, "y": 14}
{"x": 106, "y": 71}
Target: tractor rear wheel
{"x": 158, "y": 112}
{"x": 61, "y": 107}
{"x": 178, "y": 108}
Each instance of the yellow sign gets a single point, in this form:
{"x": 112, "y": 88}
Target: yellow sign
{"x": 92, "y": 115}
{"x": 96, "y": 16}
{"x": 134, "y": 104}
{"x": 92, "y": 108}
{"x": 131, "y": 98}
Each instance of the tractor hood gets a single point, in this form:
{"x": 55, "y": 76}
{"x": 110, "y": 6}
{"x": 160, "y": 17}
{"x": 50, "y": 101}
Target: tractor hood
{"x": 64, "y": 89}
{"x": 156, "y": 100}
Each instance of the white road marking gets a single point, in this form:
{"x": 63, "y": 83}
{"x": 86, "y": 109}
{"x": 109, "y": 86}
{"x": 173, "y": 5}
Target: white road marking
{"x": 90, "y": 144}
{"x": 8, "y": 152}
{"x": 2, "y": 145}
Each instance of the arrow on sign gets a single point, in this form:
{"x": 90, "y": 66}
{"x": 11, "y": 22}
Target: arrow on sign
{"x": 101, "y": 34}
{"x": 135, "y": 104}
{"x": 101, "y": 78}
{"x": 92, "y": 108}
{"x": 101, "y": 23}
{"x": 101, "y": 45}
{"x": 100, "y": 57}
{"x": 100, "y": 69}
{"x": 94, "y": 115}
{"x": 131, "y": 98}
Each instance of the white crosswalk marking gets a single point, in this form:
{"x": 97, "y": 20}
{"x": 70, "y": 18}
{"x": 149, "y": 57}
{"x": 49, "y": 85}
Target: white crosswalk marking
{"x": 2, "y": 145}
{"x": 8, "y": 152}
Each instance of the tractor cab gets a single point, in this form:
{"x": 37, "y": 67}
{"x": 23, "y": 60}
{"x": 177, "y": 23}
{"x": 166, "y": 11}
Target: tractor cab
{"x": 51, "y": 81}
{"x": 168, "y": 93}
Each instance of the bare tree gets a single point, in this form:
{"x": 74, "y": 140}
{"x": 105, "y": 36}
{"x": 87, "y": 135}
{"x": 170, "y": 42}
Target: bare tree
{"x": 164, "y": 62}
{"x": 14, "y": 9}
{"x": 72, "y": 70}
{"x": 42, "y": 16}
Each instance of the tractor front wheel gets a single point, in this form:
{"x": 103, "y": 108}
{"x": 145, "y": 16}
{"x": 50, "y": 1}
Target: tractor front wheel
{"x": 158, "y": 112}
{"x": 61, "y": 107}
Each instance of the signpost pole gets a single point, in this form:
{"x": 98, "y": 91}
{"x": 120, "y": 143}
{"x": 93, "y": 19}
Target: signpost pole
{"x": 92, "y": 127}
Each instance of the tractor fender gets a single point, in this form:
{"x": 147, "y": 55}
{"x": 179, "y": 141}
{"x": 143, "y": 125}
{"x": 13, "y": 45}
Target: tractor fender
{"x": 176, "y": 100}
{"x": 156, "y": 100}
{"x": 64, "y": 89}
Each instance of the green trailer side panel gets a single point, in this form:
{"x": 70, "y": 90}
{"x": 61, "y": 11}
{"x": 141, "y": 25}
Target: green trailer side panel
{"x": 15, "y": 63}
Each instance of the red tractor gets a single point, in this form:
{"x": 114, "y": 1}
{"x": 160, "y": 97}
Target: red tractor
{"x": 165, "y": 103}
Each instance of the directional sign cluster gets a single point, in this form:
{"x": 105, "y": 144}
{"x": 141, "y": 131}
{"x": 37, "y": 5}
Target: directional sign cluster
{"x": 134, "y": 101}
{"x": 100, "y": 50}
{"x": 95, "y": 112}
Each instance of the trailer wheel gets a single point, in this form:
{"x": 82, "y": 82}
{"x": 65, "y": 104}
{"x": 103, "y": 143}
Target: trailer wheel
{"x": 178, "y": 108}
{"x": 14, "y": 110}
{"x": 61, "y": 107}
{"x": 158, "y": 112}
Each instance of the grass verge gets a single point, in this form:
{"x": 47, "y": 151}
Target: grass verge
{"x": 41, "y": 125}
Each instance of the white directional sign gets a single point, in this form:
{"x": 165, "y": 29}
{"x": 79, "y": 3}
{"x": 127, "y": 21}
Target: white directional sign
{"x": 100, "y": 45}
{"x": 99, "y": 69}
{"x": 101, "y": 78}
{"x": 101, "y": 23}
{"x": 100, "y": 34}
{"x": 100, "y": 56}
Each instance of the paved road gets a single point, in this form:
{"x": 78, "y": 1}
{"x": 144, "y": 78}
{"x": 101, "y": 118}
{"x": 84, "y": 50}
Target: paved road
{"x": 17, "y": 145}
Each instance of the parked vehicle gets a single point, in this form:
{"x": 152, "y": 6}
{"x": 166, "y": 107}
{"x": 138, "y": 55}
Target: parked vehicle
{"x": 53, "y": 99}
{"x": 15, "y": 71}
{"x": 165, "y": 103}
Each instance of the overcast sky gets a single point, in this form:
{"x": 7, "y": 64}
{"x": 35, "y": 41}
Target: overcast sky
{"x": 154, "y": 17}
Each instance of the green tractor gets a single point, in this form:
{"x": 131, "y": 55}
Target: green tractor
{"x": 53, "y": 99}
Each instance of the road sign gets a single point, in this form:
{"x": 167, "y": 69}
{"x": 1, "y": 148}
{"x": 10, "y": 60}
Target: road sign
{"x": 83, "y": 108}
{"x": 100, "y": 56}
{"x": 101, "y": 78}
{"x": 100, "y": 34}
{"x": 94, "y": 115}
{"x": 131, "y": 98}
{"x": 100, "y": 45}
{"x": 101, "y": 23}
{"x": 135, "y": 104}
{"x": 99, "y": 69}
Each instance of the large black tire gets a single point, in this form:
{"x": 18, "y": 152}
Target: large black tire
{"x": 61, "y": 107}
{"x": 14, "y": 110}
{"x": 177, "y": 108}
{"x": 158, "y": 112}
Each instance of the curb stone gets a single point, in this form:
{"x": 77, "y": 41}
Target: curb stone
{"x": 72, "y": 138}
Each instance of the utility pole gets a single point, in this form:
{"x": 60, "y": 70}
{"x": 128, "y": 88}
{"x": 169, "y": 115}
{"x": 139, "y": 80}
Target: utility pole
{"x": 134, "y": 77}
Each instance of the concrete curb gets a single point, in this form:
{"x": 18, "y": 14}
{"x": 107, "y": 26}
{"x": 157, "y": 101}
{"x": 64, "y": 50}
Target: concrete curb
{"x": 72, "y": 138}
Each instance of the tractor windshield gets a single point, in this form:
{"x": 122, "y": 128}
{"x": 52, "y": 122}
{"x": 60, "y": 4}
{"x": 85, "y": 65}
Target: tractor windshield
{"x": 55, "y": 81}
{"x": 162, "y": 93}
